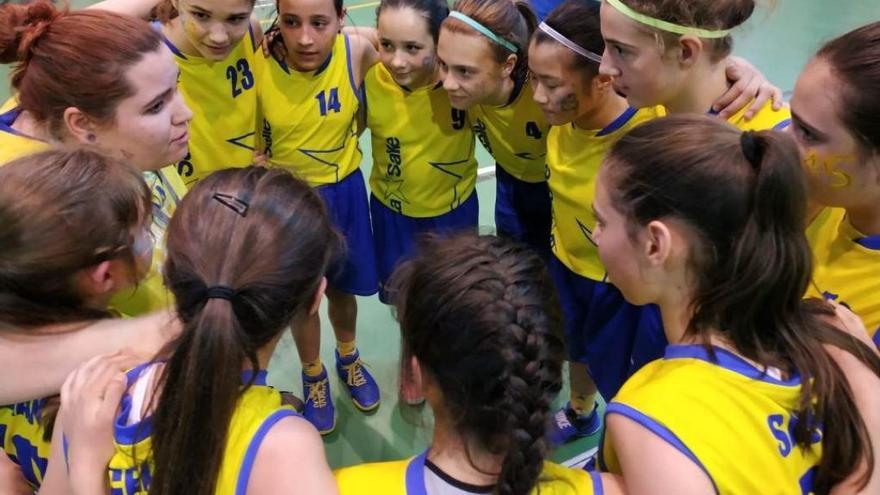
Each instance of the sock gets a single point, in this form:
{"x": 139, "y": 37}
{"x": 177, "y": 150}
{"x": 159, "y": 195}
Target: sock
{"x": 313, "y": 369}
{"x": 346, "y": 348}
{"x": 583, "y": 405}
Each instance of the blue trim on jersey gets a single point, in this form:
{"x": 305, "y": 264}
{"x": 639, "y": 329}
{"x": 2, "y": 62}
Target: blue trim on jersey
{"x": 415, "y": 475}
{"x": 351, "y": 79}
{"x": 598, "y": 489}
{"x": 871, "y": 242}
{"x": 658, "y": 429}
{"x": 250, "y": 455}
{"x": 253, "y": 36}
{"x": 782, "y": 125}
{"x": 321, "y": 68}
{"x": 876, "y": 338}
{"x": 168, "y": 42}
{"x": 619, "y": 122}
{"x": 7, "y": 119}
{"x": 728, "y": 361}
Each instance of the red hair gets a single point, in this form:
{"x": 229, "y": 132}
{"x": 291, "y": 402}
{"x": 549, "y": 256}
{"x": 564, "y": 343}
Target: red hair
{"x": 71, "y": 59}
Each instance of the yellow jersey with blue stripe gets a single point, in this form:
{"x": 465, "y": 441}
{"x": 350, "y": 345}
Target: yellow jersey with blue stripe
{"x": 407, "y": 477}
{"x": 423, "y": 149}
{"x": 846, "y": 266}
{"x": 13, "y": 144}
{"x": 150, "y": 294}
{"x": 515, "y": 134}
{"x": 699, "y": 405}
{"x": 21, "y": 431}
{"x": 257, "y": 410}
{"x": 310, "y": 118}
{"x": 765, "y": 119}
{"x": 223, "y": 98}
{"x": 573, "y": 160}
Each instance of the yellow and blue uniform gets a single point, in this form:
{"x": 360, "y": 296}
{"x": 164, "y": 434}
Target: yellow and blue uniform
{"x": 167, "y": 189}
{"x": 407, "y": 477}
{"x": 602, "y": 329}
{"x": 424, "y": 168}
{"x": 515, "y": 134}
{"x": 150, "y": 294}
{"x": 310, "y": 128}
{"x": 14, "y": 144}
{"x": 21, "y": 431}
{"x": 846, "y": 266}
{"x": 257, "y": 410}
{"x": 222, "y": 96}
{"x": 764, "y": 119}
{"x": 698, "y": 404}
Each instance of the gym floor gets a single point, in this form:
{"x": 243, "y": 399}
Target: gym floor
{"x": 779, "y": 40}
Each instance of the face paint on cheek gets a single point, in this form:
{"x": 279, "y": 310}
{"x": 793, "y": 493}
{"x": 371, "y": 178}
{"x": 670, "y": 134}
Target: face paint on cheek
{"x": 820, "y": 164}
{"x": 429, "y": 62}
{"x": 190, "y": 28}
{"x": 567, "y": 103}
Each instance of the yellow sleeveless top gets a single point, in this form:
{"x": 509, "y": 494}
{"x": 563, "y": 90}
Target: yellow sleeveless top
{"x": 310, "y": 118}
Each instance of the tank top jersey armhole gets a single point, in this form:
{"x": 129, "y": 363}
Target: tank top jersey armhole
{"x": 310, "y": 118}
{"x": 574, "y": 157}
{"x": 697, "y": 403}
{"x": 258, "y": 409}
{"x": 408, "y": 477}
{"x": 846, "y": 266}
{"x": 423, "y": 149}
{"x": 14, "y": 144}
{"x": 515, "y": 134}
{"x": 223, "y": 100}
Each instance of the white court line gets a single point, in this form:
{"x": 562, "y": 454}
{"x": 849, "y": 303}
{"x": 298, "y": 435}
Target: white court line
{"x": 579, "y": 460}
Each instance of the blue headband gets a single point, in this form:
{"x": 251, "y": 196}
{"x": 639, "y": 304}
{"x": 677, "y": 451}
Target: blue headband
{"x": 483, "y": 30}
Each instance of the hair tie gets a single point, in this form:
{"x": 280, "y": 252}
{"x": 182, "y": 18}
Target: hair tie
{"x": 750, "y": 148}
{"x": 483, "y": 30}
{"x": 239, "y": 206}
{"x": 571, "y": 45}
{"x": 221, "y": 292}
{"x": 669, "y": 27}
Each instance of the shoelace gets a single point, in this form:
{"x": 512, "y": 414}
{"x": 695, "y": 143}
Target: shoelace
{"x": 318, "y": 393}
{"x": 356, "y": 374}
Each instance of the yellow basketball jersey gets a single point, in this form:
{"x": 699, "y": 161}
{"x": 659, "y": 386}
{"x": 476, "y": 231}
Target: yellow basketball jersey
{"x": 846, "y": 266}
{"x": 14, "y": 144}
{"x": 573, "y": 160}
{"x": 423, "y": 149}
{"x": 764, "y": 119}
{"x": 223, "y": 99}
{"x": 406, "y": 477}
{"x": 150, "y": 294}
{"x": 730, "y": 418}
{"x": 310, "y": 118}
{"x": 257, "y": 410}
{"x": 515, "y": 134}
{"x": 21, "y": 432}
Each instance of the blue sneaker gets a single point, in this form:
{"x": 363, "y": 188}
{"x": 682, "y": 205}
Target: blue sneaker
{"x": 358, "y": 380}
{"x": 566, "y": 425}
{"x": 319, "y": 408}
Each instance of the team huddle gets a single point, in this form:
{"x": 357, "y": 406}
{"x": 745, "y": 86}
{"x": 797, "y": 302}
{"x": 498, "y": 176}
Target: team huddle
{"x": 179, "y": 187}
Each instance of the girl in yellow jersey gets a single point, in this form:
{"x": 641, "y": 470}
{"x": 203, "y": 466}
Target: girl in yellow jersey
{"x": 247, "y": 251}
{"x": 75, "y": 231}
{"x": 310, "y": 98}
{"x": 472, "y": 307}
{"x": 112, "y": 86}
{"x": 674, "y": 54}
{"x": 482, "y": 49}
{"x": 840, "y": 142}
{"x": 751, "y": 395}
{"x": 424, "y": 169}
{"x": 603, "y": 331}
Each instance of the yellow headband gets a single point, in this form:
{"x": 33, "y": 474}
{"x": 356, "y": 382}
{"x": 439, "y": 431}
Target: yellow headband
{"x": 666, "y": 26}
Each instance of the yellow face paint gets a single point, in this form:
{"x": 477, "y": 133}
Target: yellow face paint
{"x": 191, "y": 29}
{"x": 821, "y": 164}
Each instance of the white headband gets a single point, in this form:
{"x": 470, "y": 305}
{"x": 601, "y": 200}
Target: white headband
{"x": 571, "y": 45}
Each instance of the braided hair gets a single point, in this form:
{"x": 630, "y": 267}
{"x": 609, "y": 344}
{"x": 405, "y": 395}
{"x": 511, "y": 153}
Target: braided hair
{"x": 481, "y": 316}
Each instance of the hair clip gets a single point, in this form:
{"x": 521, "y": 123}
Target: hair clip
{"x": 239, "y": 206}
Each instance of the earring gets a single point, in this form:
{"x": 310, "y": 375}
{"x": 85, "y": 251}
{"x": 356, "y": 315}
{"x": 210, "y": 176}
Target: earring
{"x": 91, "y": 138}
